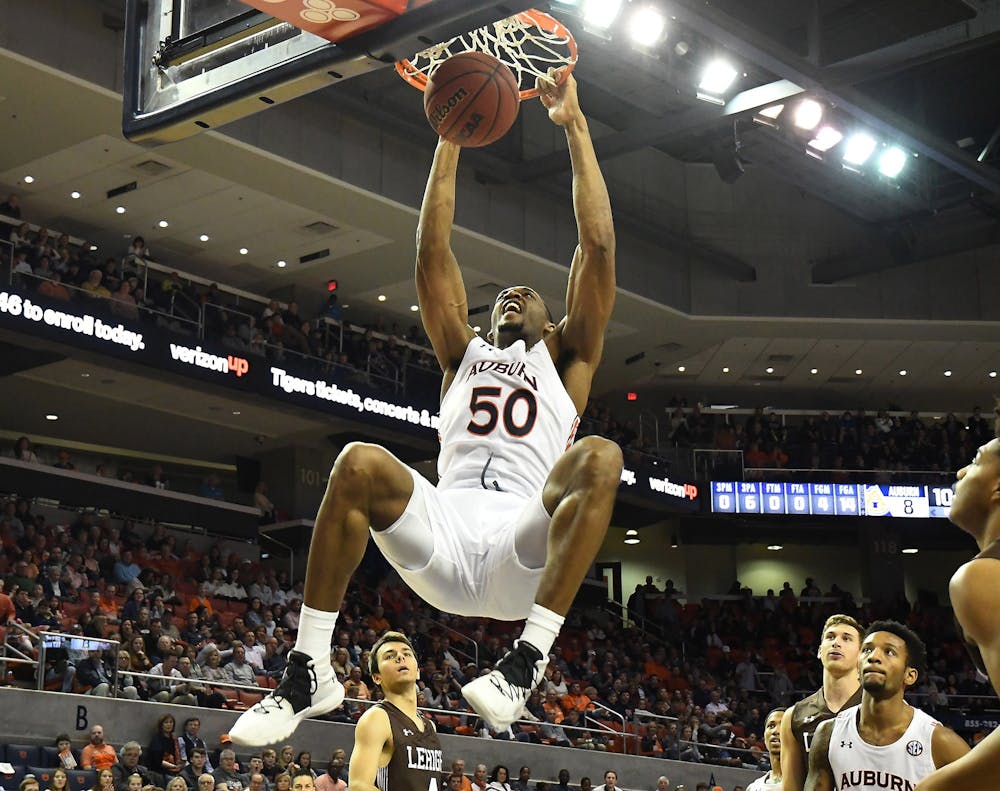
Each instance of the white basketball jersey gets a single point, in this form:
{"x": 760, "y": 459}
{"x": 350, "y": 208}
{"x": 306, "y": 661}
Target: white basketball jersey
{"x": 900, "y": 765}
{"x": 505, "y": 420}
{"x": 765, "y": 783}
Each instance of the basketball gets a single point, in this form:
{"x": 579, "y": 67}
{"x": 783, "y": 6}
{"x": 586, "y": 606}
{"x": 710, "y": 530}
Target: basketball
{"x": 472, "y": 99}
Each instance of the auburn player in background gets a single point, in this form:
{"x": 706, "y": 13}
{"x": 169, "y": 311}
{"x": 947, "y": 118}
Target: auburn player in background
{"x": 883, "y": 743}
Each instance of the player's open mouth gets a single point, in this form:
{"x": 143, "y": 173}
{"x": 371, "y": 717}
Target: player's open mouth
{"x": 511, "y": 306}
{"x": 835, "y": 655}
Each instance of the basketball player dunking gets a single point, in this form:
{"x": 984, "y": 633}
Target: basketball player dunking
{"x": 883, "y": 743}
{"x": 975, "y": 595}
{"x": 519, "y": 512}
{"x": 395, "y": 747}
{"x": 772, "y": 741}
{"x": 838, "y": 653}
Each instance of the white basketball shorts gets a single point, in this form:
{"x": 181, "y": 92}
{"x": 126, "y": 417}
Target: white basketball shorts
{"x": 473, "y": 569}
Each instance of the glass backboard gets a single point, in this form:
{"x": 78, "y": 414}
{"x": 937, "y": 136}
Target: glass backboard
{"x": 192, "y": 65}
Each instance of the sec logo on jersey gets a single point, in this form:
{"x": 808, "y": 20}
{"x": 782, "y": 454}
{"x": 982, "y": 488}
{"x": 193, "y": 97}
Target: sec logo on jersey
{"x": 914, "y": 748}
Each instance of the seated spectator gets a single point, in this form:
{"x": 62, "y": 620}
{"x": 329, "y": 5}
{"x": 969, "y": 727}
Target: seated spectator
{"x": 93, "y": 675}
{"x": 94, "y": 286}
{"x": 335, "y": 776}
{"x": 98, "y": 754}
{"x": 105, "y": 781}
{"x": 129, "y": 765}
{"x": 53, "y": 288}
{"x": 24, "y": 451}
{"x": 163, "y": 753}
{"x": 239, "y": 671}
{"x": 227, "y": 774}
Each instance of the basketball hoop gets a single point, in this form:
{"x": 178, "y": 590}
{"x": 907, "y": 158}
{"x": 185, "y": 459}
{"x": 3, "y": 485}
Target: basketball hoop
{"x": 532, "y": 44}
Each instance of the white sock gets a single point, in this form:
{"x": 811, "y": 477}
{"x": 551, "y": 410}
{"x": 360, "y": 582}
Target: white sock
{"x": 542, "y": 628}
{"x": 316, "y": 633}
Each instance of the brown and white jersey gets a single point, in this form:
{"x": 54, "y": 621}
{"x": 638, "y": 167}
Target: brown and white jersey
{"x": 416, "y": 762}
{"x": 810, "y": 712}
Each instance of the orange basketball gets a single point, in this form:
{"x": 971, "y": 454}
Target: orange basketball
{"x": 472, "y": 99}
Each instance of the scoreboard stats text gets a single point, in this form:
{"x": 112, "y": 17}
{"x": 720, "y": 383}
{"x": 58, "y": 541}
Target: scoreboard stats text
{"x": 830, "y": 499}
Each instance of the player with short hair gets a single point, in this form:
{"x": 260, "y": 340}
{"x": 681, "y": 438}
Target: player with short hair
{"x": 519, "y": 512}
{"x": 772, "y": 741}
{"x": 882, "y": 743}
{"x": 975, "y": 596}
{"x": 838, "y": 653}
{"x": 395, "y": 747}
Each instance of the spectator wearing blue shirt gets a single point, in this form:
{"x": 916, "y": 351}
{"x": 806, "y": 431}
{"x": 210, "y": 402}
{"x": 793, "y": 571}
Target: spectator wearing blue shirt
{"x": 125, "y": 570}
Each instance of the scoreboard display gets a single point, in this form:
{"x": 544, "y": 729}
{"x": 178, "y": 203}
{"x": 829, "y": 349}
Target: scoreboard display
{"x": 830, "y": 499}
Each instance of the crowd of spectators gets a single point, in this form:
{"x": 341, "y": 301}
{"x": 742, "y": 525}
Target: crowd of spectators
{"x": 377, "y": 355}
{"x": 392, "y": 359}
{"x": 690, "y": 681}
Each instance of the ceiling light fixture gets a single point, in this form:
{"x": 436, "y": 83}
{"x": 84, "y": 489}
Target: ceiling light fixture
{"x": 75, "y": 195}
{"x": 283, "y": 264}
{"x": 382, "y": 297}
{"x": 775, "y": 547}
{"x": 52, "y": 417}
{"x": 808, "y": 114}
{"x": 29, "y": 179}
{"x": 902, "y": 372}
{"x": 681, "y": 368}
{"x": 858, "y": 372}
{"x": 948, "y": 372}
{"x": 119, "y": 210}
{"x": 725, "y": 370}
{"x": 632, "y": 532}
{"x": 163, "y": 223}
{"x": 992, "y": 374}
{"x": 859, "y": 147}
{"x": 646, "y": 26}
{"x": 814, "y": 371}
{"x": 601, "y": 14}
{"x": 892, "y": 162}
{"x": 768, "y": 116}
{"x": 826, "y": 138}
{"x": 414, "y": 308}
{"x": 243, "y": 251}
{"x": 631, "y": 540}
{"x": 717, "y": 78}
{"x": 204, "y": 237}
{"x": 910, "y": 551}
{"x": 769, "y": 370}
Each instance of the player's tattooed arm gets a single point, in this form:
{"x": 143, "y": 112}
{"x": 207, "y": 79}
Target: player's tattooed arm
{"x": 820, "y": 777}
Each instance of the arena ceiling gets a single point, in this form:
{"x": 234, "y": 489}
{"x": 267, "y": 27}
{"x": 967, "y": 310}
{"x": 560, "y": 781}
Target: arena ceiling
{"x": 919, "y": 73}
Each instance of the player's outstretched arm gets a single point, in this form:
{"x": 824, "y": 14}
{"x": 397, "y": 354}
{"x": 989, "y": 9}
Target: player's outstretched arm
{"x": 444, "y": 306}
{"x": 820, "y": 777}
{"x": 793, "y": 762}
{"x": 975, "y": 596}
{"x": 372, "y": 738}
{"x": 591, "y": 293}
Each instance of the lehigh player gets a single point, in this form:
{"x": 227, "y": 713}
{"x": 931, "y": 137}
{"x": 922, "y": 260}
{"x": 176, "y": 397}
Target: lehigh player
{"x": 519, "y": 512}
{"x": 838, "y": 653}
{"x": 884, "y": 743}
{"x": 975, "y": 595}
{"x": 395, "y": 747}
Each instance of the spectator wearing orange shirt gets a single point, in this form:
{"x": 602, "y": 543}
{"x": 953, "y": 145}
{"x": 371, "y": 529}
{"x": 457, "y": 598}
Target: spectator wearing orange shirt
{"x": 98, "y": 754}
{"x": 201, "y": 599}
{"x": 7, "y": 611}
{"x": 53, "y": 288}
{"x": 377, "y": 621}
{"x": 551, "y": 704}
{"x": 575, "y": 699}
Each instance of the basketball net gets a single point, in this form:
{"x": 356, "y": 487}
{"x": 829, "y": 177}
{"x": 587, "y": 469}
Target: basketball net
{"x": 532, "y": 44}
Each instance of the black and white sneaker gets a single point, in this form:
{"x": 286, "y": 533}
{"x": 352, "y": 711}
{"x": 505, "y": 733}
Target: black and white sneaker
{"x": 499, "y": 697}
{"x": 307, "y": 689}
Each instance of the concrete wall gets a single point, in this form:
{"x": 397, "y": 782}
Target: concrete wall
{"x": 42, "y": 715}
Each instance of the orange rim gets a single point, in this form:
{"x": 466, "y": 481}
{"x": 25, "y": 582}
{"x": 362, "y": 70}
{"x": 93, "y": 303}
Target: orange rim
{"x": 418, "y": 78}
